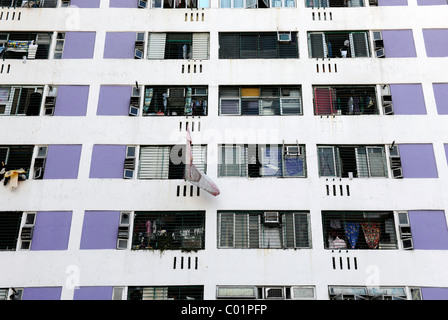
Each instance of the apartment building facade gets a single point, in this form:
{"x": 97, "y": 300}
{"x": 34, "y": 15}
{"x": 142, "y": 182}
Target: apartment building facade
{"x": 321, "y": 122}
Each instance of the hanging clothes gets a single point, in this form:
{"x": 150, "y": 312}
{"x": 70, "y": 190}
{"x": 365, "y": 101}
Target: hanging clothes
{"x": 372, "y": 233}
{"x": 356, "y": 105}
{"x": 350, "y": 105}
{"x": 339, "y": 243}
{"x": 352, "y": 233}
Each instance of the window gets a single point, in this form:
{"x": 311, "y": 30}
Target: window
{"x": 175, "y": 101}
{"x": 261, "y": 45}
{"x": 166, "y": 293}
{"x": 366, "y": 293}
{"x": 59, "y": 49}
{"x": 10, "y": 223}
{"x": 29, "y": 3}
{"x": 269, "y": 230}
{"x": 255, "y": 161}
{"x": 16, "y": 157}
{"x": 359, "y": 230}
{"x": 20, "y": 100}
{"x": 265, "y": 292}
{"x": 334, "y": 3}
{"x": 260, "y": 100}
{"x": 168, "y": 162}
{"x": 168, "y": 230}
{"x": 16, "y": 45}
{"x": 169, "y": 4}
{"x": 345, "y": 100}
{"x": 347, "y": 161}
{"x": 11, "y": 293}
{"x": 178, "y": 46}
{"x": 253, "y": 4}
{"x": 337, "y": 44}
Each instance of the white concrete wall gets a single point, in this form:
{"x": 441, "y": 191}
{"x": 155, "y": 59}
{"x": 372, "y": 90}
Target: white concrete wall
{"x": 227, "y": 267}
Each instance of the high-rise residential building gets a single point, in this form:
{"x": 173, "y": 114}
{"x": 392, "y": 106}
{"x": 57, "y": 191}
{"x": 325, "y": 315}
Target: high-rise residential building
{"x": 224, "y": 149}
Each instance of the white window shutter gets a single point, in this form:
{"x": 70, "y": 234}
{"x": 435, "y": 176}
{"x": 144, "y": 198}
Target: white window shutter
{"x": 154, "y": 162}
{"x": 156, "y": 46}
{"x": 200, "y": 46}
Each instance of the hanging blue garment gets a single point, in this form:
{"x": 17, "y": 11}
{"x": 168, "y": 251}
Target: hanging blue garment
{"x": 352, "y": 232}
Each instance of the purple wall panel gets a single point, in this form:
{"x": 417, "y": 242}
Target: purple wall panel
{"x": 119, "y": 45}
{"x": 392, "y": 2}
{"x": 79, "y": 45}
{"x": 62, "y": 162}
{"x": 107, "y": 161}
{"x": 441, "y": 96}
{"x": 72, "y": 101}
{"x": 431, "y": 2}
{"x": 408, "y": 99}
{"x": 100, "y": 230}
{"x": 429, "y": 230}
{"x": 418, "y": 161}
{"x": 44, "y": 293}
{"x": 436, "y": 42}
{"x": 435, "y": 293}
{"x": 52, "y": 230}
{"x": 93, "y": 293}
{"x": 123, "y": 4}
{"x": 446, "y": 151}
{"x": 85, "y": 3}
{"x": 114, "y": 101}
{"x": 399, "y": 43}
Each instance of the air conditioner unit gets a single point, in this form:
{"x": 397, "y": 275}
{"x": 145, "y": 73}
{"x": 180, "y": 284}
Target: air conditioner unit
{"x": 388, "y": 108}
{"x": 274, "y": 293}
{"x": 293, "y": 151}
{"x": 271, "y": 217}
{"x": 397, "y": 173}
{"x": 408, "y": 244}
{"x": 379, "y": 53}
{"x": 138, "y": 54}
{"x": 284, "y": 37}
{"x": 133, "y": 111}
{"x": 122, "y": 244}
{"x": 49, "y": 105}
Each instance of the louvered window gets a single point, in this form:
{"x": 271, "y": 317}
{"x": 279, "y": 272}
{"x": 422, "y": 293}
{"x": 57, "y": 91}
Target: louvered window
{"x": 166, "y": 293}
{"x": 270, "y": 230}
{"x": 19, "y": 44}
{"x": 178, "y": 46}
{"x": 9, "y": 229}
{"x": 20, "y": 100}
{"x": 345, "y": 100}
{"x": 175, "y": 101}
{"x": 352, "y": 161}
{"x": 261, "y": 161}
{"x": 16, "y": 157}
{"x": 263, "y": 45}
{"x": 359, "y": 230}
{"x": 337, "y": 44}
{"x": 260, "y": 100}
{"x": 168, "y": 162}
{"x": 334, "y": 3}
{"x": 168, "y": 230}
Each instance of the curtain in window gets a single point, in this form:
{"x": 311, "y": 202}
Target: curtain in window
{"x": 323, "y": 101}
{"x": 200, "y": 45}
{"x": 156, "y": 45}
{"x": 154, "y": 162}
{"x": 352, "y": 233}
{"x": 372, "y": 233}
{"x": 293, "y": 166}
{"x": 271, "y": 161}
{"x": 377, "y": 163}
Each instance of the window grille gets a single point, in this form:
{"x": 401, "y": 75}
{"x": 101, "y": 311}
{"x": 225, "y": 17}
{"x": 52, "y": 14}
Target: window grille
{"x": 260, "y": 100}
{"x": 334, "y": 3}
{"x": 9, "y": 229}
{"x": 254, "y": 230}
{"x": 168, "y": 162}
{"x": 366, "y": 293}
{"x": 261, "y": 161}
{"x": 178, "y": 46}
{"x": 359, "y": 230}
{"x": 175, "y": 100}
{"x": 20, "y": 100}
{"x": 169, "y": 230}
{"x": 262, "y": 45}
{"x": 18, "y": 44}
{"x": 338, "y": 44}
{"x": 345, "y": 100}
{"x": 265, "y": 292}
{"x": 352, "y": 161}
{"x": 16, "y": 157}
{"x": 166, "y": 293}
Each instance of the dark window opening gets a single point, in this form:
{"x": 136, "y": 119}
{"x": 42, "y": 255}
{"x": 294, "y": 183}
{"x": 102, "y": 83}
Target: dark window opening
{"x": 16, "y": 157}
{"x": 178, "y": 45}
{"x": 9, "y": 229}
{"x": 166, "y": 293}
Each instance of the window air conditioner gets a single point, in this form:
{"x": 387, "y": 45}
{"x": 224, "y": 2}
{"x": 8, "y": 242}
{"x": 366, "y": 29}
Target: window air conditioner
{"x": 138, "y": 54}
{"x": 133, "y": 111}
{"x": 271, "y": 217}
{"x": 293, "y": 151}
{"x": 274, "y": 293}
{"x": 284, "y": 37}
{"x": 129, "y": 163}
{"x": 123, "y": 230}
